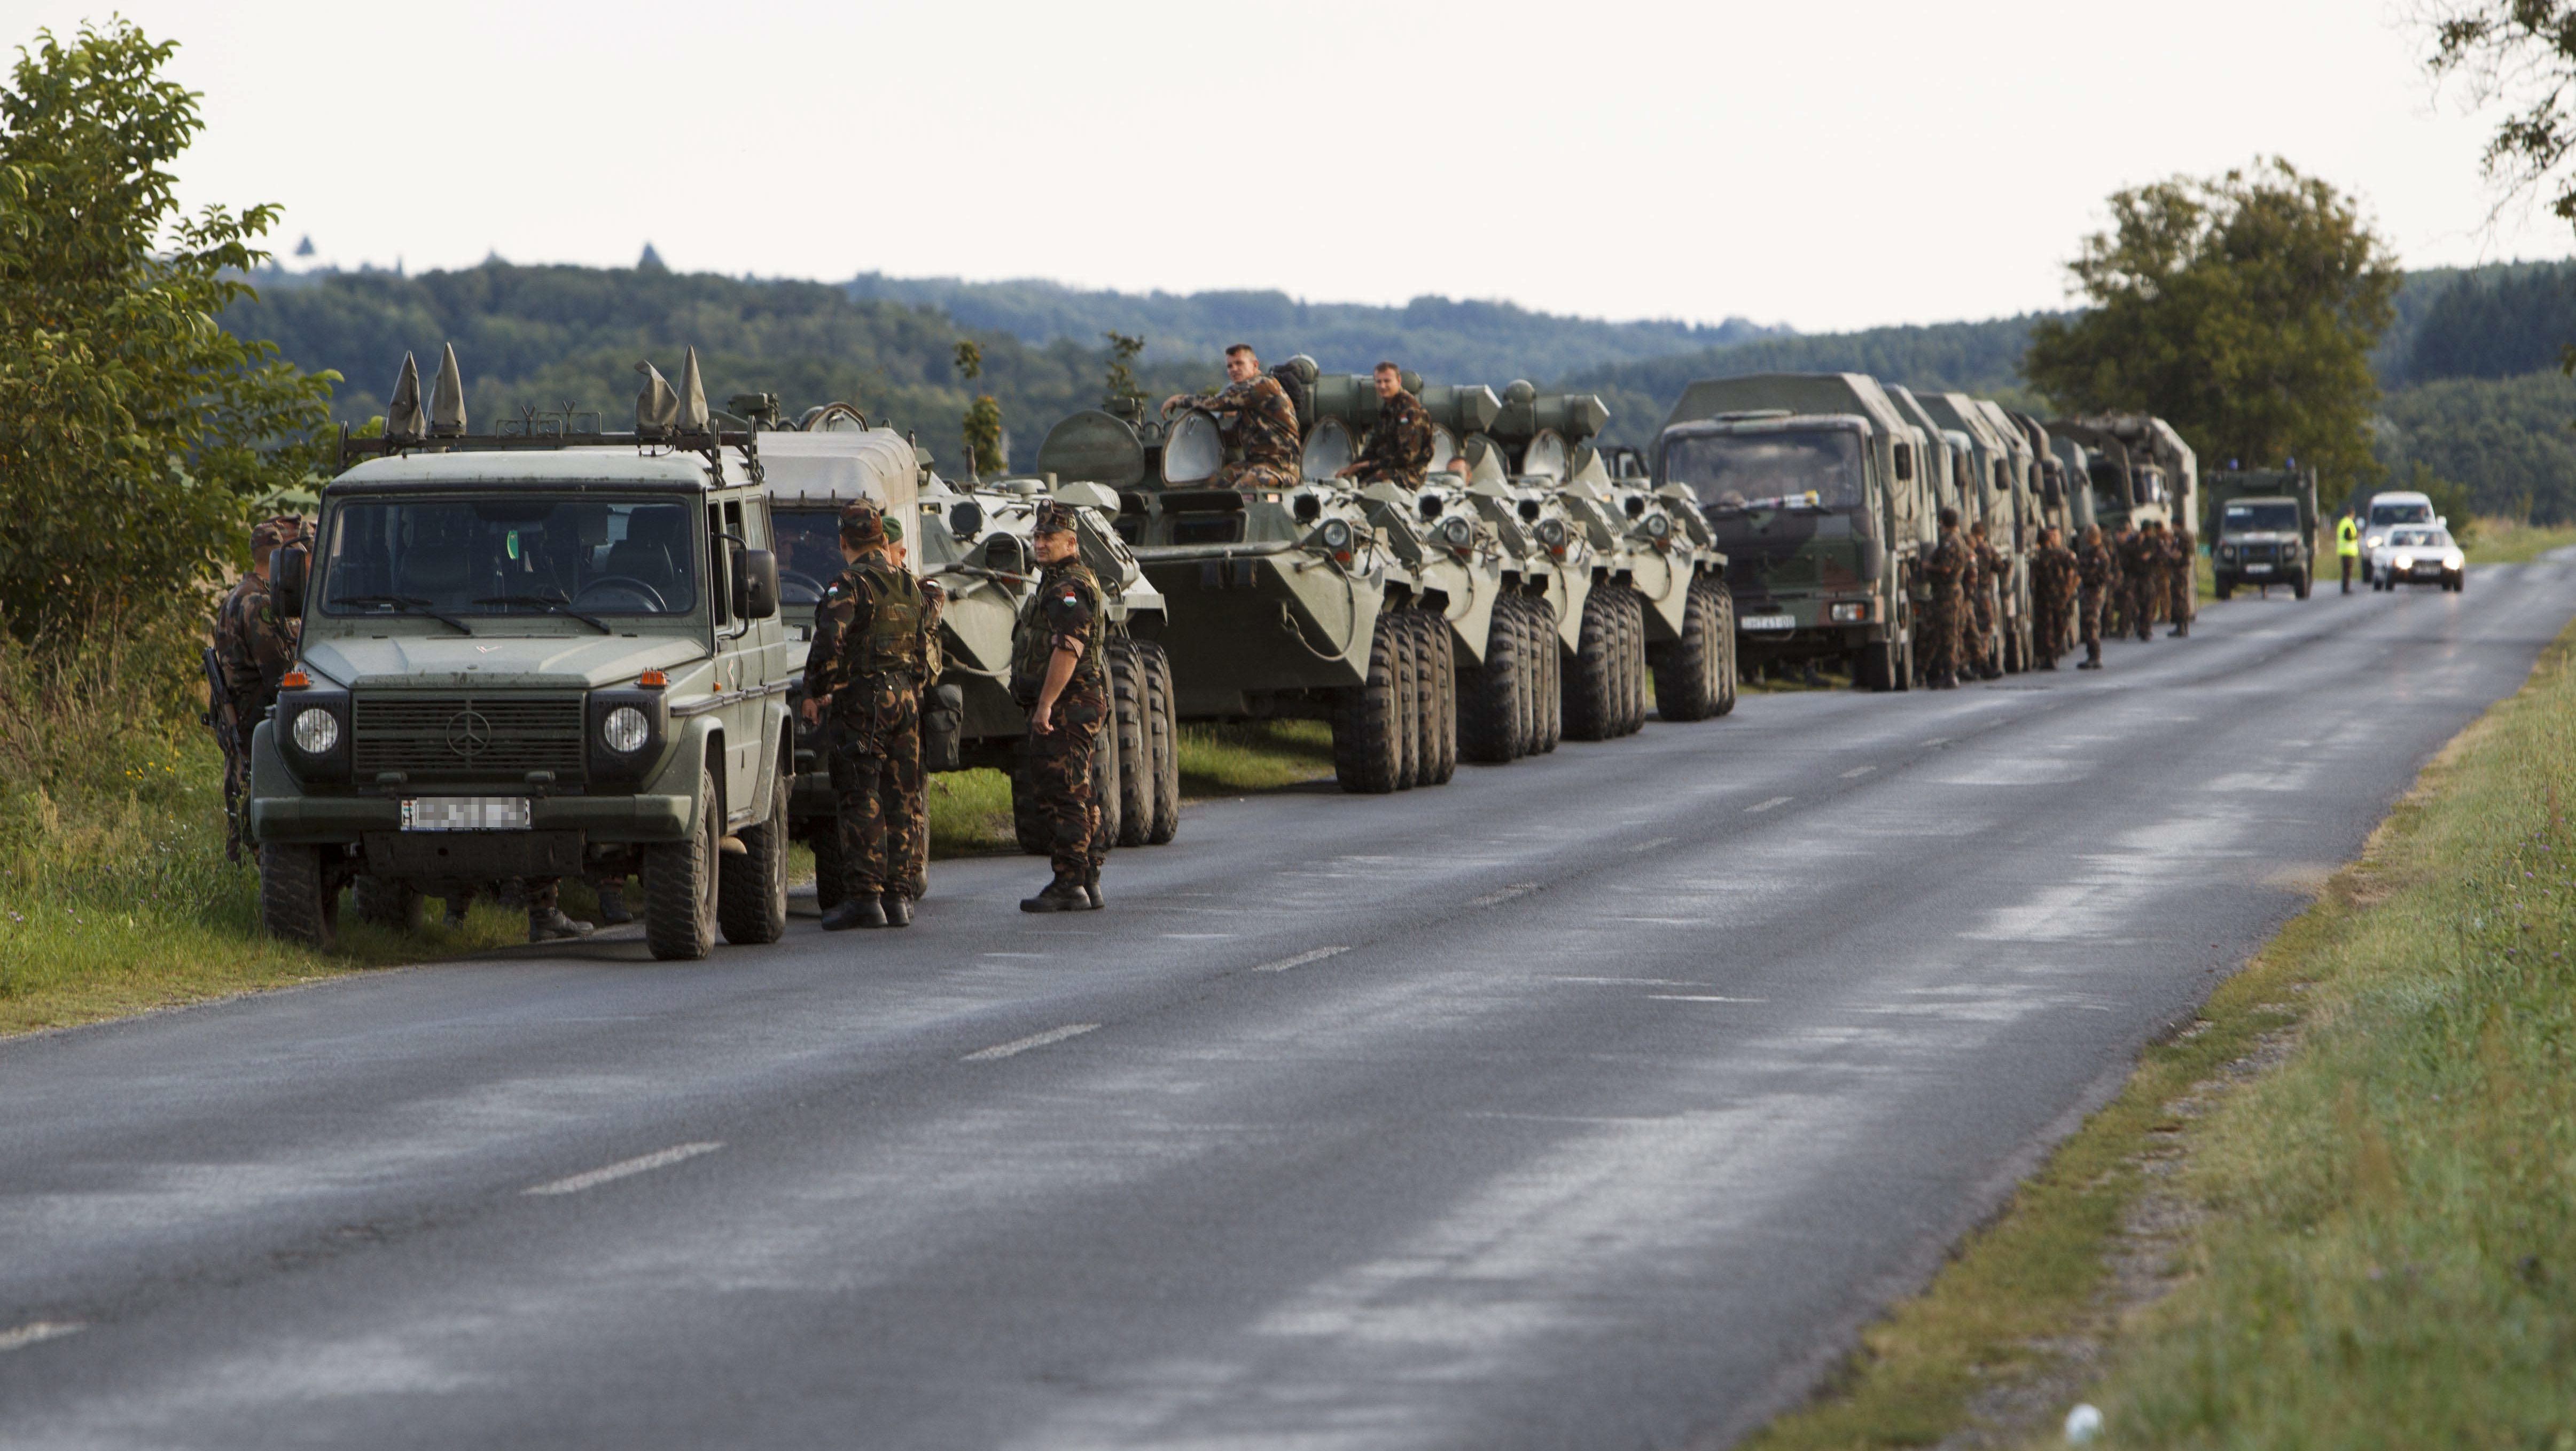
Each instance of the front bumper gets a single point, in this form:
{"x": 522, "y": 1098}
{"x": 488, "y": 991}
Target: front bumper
{"x": 282, "y": 810}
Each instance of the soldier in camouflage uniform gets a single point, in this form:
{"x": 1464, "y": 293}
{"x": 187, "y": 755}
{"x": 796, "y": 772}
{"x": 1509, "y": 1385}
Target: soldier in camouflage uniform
{"x": 1262, "y": 444}
{"x": 2115, "y": 600}
{"x": 1398, "y": 448}
{"x": 1985, "y": 649}
{"x": 1947, "y": 570}
{"x": 2141, "y": 558}
{"x": 2052, "y": 596}
{"x": 1059, "y": 670}
{"x": 2095, "y": 568}
{"x": 2182, "y": 577}
{"x": 871, "y": 645}
{"x": 254, "y": 646}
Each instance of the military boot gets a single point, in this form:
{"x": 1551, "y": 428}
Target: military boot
{"x": 1091, "y": 889}
{"x": 866, "y": 911}
{"x": 1064, "y": 894}
{"x": 549, "y": 924}
{"x": 898, "y": 909}
{"x": 612, "y": 906}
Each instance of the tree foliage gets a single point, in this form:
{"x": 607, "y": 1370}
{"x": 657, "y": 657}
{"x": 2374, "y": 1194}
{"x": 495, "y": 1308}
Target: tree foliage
{"x": 2520, "y": 56}
{"x": 981, "y": 429}
{"x": 2506, "y": 440}
{"x": 2241, "y": 308}
{"x": 134, "y": 432}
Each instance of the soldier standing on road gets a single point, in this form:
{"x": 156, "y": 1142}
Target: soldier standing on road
{"x": 2347, "y": 545}
{"x": 865, "y": 666}
{"x": 2052, "y": 595}
{"x": 254, "y": 645}
{"x": 2182, "y": 578}
{"x": 1984, "y": 600}
{"x": 1059, "y": 670}
{"x": 2095, "y": 568}
{"x": 1947, "y": 570}
{"x": 2115, "y": 602}
{"x": 1398, "y": 448}
{"x": 1259, "y": 423}
{"x": 2141, "y": 554}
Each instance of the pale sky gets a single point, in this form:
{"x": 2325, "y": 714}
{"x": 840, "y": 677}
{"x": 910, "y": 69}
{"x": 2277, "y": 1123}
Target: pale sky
{"x": 1829, "y": 166}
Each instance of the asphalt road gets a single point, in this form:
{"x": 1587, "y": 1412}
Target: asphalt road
{"x": 1589, "y": 1102}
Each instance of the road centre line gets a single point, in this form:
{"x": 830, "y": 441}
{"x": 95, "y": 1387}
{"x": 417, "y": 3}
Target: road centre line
{"x": 1646, "y": 846}
{"x": 1761, "y": 806}
{"x": 1698, "y": 998}
{"x": 1857, "y": 772}
{"x": 1034, "y": 1040}
{"x": 1301, "y": 959}
{"x": 39, "y": 1330}
{"x": 1491, "y": 899}
{"x": 1629, "y": 981}
{"x": 626, "y": 1168}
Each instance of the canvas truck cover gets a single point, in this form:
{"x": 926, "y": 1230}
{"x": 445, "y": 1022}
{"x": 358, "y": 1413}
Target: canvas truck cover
{"x": 878, "y": 465}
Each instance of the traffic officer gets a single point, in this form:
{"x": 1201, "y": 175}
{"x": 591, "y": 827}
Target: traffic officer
{"x": 871, "y": 643}
{"x": 1259, "y": 423}
{"x": 1059, "y": 671}
{"x": 1399, "y": 447}
{"x": 2347, "y": 545}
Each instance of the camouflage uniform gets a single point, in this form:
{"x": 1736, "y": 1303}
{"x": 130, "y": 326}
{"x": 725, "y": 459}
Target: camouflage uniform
{"x": 1986, "y": 584}
{"x": 1947, "y": 570}
{"x": 2115, "y": 598}
{"x": 1263, "y": 449}
{"x": 2095, "y": 569}
{"x": 2182, "y": 578}
{"x": 1398, "y": 448}
{"x": 1066, "y": 614}
{"x": 253, "y": 648}
{"x": 871, "y": 645}
{"x": 2140, "y": 559}
{"x": 2052, "y": 600}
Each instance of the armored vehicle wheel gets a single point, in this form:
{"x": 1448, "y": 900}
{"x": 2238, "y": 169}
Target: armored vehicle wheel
{"x": 1529, "y": 731}
{"x": 1685, "y": 677}
{"x": 680, "y": 884}
{"x": 298, "y": 900}
{"x": 1593, "y": 687}
{"x": 1105, "y": 779}
{"x": 1167, "y": 743}
{"x": 1632, "y": 661}
{"x": 827, "y": 864}
{"x": 1366, "y": 753}
{"x": 751, "y": 886}
{"x": 1725, "y": 668}
{"x": 1025, "y": 822}
{"x": 1441, "y": 750}
{"x": 1135, "y": 740}
{"x": 385, "y": 902}
{"x": 1408, "y": 698}
{"x": 1489, "y": 706}
{"x": 1548, "y": 656}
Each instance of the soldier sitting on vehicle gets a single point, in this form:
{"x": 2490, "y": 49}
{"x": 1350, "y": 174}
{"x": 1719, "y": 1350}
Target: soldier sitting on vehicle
{"x": 1398, "y": 448}
{"x": 1258, "y": 421}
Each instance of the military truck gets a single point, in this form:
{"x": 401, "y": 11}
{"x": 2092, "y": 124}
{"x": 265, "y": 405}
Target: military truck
{"x": 548, "y": 651}
{"x": 1997, "y": 489}
{"x": 2262, "y": 529}
{"x": 974, "y": 542}
{"x": 1813, "y": 486}
{"x": 2141, "y": 471}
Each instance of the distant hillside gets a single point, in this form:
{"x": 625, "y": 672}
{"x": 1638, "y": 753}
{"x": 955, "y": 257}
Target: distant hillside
{"x": 1433, "y": 335}
{"x": 2490, "y": 322}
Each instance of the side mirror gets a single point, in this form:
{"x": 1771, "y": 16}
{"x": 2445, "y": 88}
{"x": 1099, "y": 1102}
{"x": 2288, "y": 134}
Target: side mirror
{"x": 755, "y": 585}
{"x": 286, "y": 569}
{"x": 1904, "y": 462}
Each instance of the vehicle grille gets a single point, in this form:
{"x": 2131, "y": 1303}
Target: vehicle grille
{"x": 462, "y": 737}
{"x": 2262, "y": 553}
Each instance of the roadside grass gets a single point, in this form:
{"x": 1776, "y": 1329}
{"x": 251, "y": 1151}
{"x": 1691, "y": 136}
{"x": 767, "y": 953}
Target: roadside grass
{"x": 2380, "y": 1247}
{"x": 1237, "y": 759}
{"x": 2509, "y": 541}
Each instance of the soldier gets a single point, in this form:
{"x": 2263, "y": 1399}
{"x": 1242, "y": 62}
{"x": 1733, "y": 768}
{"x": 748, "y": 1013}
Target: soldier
{"x": 2115, "y": 600}
{"x": 871, "y": 645}
{"x": 253, "y": 647}
{"x": 2095, "y": 568}
{"x": 1398, "y": 448}
{"x": 1947, "y": 570}
{"x": 2141, "y": 553}
{"x": 2052, "y": 596}
{"x": 1984, "y": 603}
{"x": 1258, "y": 421}
{"x": 2182, "y": 577}
{"x": 1058, "y": 668}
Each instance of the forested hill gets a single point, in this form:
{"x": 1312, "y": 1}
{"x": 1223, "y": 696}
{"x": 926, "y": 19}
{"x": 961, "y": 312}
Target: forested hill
{"x": 1435, "y": 336}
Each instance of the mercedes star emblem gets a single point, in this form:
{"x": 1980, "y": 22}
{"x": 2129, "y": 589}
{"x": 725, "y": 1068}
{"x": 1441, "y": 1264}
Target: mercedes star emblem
{"x": 468, "y": 733}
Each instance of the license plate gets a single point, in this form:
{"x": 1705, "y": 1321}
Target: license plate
{"x": 1768, "y": 622}
{"x": 465, "y": 813}
{"x": 2258, "y": 569}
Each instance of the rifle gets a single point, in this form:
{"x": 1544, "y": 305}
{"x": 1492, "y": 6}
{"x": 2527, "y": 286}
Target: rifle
{"x": 223, "y": 718}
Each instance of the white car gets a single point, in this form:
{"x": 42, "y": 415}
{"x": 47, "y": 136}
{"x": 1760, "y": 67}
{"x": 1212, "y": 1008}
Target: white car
{"x": 2396, "y": 509}
{"x": 2417, "y": 555}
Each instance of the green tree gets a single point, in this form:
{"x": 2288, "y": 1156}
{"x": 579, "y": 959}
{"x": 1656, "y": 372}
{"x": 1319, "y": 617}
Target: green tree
{"x": 982, "y": 427}
{"x": 2519, "y": 55}
{"x": 134, "y": 432}
{"x": 1121, "y": 393}
{"x": 2242, "y": 309}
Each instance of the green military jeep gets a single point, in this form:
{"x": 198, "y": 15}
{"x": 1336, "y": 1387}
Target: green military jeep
{"x": 545, "y": 653}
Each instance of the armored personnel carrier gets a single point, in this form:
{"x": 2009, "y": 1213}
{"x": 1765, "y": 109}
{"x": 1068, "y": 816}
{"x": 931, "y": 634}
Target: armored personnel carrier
{"x": 2263, "y": 529}
{"x": 1813, "y": 486}
{"x": 543, "y": 652}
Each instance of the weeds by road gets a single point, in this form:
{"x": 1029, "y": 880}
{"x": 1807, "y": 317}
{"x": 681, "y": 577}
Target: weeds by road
{"x": 2505, "y": 541}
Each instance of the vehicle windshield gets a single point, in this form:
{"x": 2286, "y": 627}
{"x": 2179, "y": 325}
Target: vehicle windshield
{"x": 809, "y": 554}
{"x": 2419, "y": 539}
{"x": 1734, "y": 472}
{"x": 523, "y": 554}
{"x": 2260, "y": 519}
{"x": 2385, "y": 514}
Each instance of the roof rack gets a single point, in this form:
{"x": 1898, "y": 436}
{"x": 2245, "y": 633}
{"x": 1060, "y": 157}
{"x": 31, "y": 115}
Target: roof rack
{"x": 666, "y": 419}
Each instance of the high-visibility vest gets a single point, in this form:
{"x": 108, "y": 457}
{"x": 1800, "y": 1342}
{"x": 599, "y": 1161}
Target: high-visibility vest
{"x": 2347, "y": 538}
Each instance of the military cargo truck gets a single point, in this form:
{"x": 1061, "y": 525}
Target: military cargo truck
{"x": 2141, "y": 471}
{"x": 544, "y": 652}
{"x": 1815, "y": 492}
{"x": 2262, "y": 529}
{"x": 1997, "y": 473}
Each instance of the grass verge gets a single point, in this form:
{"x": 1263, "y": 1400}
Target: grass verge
{"x": 2506, "y": 541}
{"x": 2365, "y": 1137}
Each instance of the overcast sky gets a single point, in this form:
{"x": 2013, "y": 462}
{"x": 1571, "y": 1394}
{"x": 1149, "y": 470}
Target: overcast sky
{"x": 1825, "y": 165}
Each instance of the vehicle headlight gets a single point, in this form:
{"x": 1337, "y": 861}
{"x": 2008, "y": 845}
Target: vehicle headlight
{"x": 1456, "y": 532}
{"x": 2454, "y": 560}
{"x": 2374, "y": 541}
{"x": 1851, "y": 613}
{"x": 624, "y": 730}
{"x": 1551, "y": 532}
{"x": 1658, "y": 527}
{"x": 316, "y": 731}
{"x": 2402, "y": 561}
{"x": 1336, "y": 535}
{"x": 2227, "y": 551}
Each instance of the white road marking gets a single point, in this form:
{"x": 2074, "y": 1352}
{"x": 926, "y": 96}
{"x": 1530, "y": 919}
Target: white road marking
{"x": 35, "y": 1330}
{"x": 1698, "y": 998}
{"x": 1666, "y": 921}
{"x": 1034, "y": 1040}
{"x": 1516, "y": 889}
{"x": 1645, "y": 846}
{"x": 1301, "y": 959}
{"x": 1629, "y": 981}
{"x": 1196, "y": 936}
{"x": 1857, "y": 772}
{"x": 626, "y": 1168}
{"x": 1760, "y": 806}
{"x": 1938, "y": 741}
{"x": 1014, "y": 954}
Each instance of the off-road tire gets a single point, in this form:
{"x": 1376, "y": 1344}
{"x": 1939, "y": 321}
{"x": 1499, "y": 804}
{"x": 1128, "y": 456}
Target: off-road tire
{"x": 388, "y": 902}
{"x": 679, "y": 880}
{"x": 1548, "y": 651}
{"x": 1593, "y": 687}
{"x": 1026, "y": 825}
{"x": 1728, "y": 667}
{"x": 826, "y": 842}
{"x": 1366, "y": 753}
{"x": 1529, "y": 625}
{"x": 1640, "y": 697}
{"x": 1105, "y": 777}
{"x": 2307, "y": 581}
{"x": 751, "y": 888}
{"x": 1440, "y": 652}
{"x": 1167, "y": 742}
{"x": 1135, "y": 743}
{"x": 1686, "y": 669}
{"x": 1489, "y": 706}
{"x": 298, "y": 900}
{"x": 1408, "y": 698}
